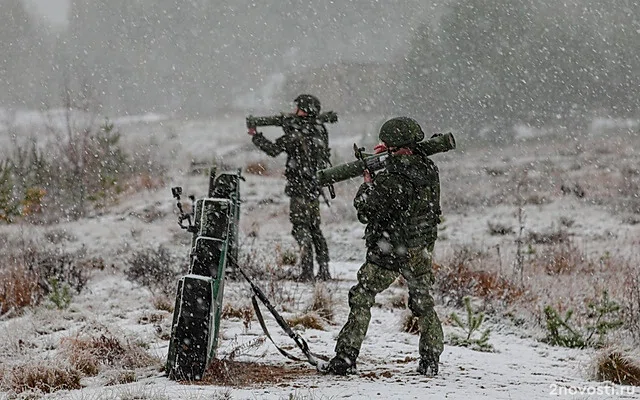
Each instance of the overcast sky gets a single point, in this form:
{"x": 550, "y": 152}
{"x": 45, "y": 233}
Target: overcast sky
{"x": 54, "y": 10}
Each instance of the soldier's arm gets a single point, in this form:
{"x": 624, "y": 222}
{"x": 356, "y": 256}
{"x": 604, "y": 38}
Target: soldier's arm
{"x": 386, "y": 195}
{"x": 272, "y": 149}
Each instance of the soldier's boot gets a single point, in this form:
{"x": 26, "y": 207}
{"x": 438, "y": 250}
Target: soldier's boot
{"x": 323, "y": 272}
{"x": 322, "y": 254}
{"x": 339, "y": 365}
{"x": 303, "y": 237}
{"x": 428, "y": 365}
{"x": 306, "y": 266}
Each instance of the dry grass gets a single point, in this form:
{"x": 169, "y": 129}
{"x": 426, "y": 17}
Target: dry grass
{"x": 631, "y": 302}
{"x": 256, "y": 168}
{"x": 499, "y": 229}
{"x": 29, "y": 269}
{"x": 309, "y": 320}
{"x": 121, "y": 377}
{"x": 458, "y": 280}
{"x": 239, "y": 374}
{"x": 286, "y": 257}
{"x": 157, "y": 269}
{"x": 323, "y": 302}
{"x": 244, "y": 313}
{"x": 550, "y": 237}
{"x": 163, "y": 302}
{"x": 399, "y": 300}
{"x": 18, "y": 289}
{"x": 89, "y": 354}
{"x": 41, "y": 378}
{"x": 410, "y": 324}
{"x": 614, "y": 366}
{"x": 562, "y": 259}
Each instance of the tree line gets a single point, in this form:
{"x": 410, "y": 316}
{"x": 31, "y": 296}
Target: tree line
{"x": 491, "y": 64}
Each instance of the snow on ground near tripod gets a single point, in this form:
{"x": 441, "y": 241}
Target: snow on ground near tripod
{"x": 523, "y": 368}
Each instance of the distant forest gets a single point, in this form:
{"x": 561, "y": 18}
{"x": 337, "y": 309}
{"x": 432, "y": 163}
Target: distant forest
{"x": 479, "y": 63}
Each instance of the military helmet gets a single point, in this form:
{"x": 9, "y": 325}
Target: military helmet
{"x": 400, "y": 131}
{"x": 308, "y": 103}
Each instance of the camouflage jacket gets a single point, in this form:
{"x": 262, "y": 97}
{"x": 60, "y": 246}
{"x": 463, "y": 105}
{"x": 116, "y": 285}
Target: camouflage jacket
{"x": 401, "y": 208}
{"x": 307, "y": 146}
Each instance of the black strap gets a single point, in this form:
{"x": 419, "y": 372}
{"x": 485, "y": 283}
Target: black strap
{"x": 302, "y": 344}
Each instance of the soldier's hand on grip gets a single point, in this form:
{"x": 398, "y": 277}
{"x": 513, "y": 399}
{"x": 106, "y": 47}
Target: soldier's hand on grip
{"x": 380, "y": 148}
{"x": 251, "y": 131}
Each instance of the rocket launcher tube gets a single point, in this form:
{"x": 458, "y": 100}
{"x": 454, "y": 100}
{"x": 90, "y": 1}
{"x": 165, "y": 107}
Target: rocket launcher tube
{"x": 375, "y": 162}
{"x": 328, "y": 117}
{"x": 276, "y": 120}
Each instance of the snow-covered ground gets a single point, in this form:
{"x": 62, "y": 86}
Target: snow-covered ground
{"x": 521, "y": 368}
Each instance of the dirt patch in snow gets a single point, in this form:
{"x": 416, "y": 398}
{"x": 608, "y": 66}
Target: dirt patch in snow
{"x": 241, "y": 373}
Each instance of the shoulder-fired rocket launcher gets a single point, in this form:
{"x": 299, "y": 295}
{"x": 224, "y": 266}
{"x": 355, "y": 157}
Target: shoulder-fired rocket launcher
{"x": 328, "y": 117}
{"x": 375, "y": 162}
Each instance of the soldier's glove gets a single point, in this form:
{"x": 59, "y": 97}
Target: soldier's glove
{"x": 380, "y": 148}
{"x": 251, "y": 131}
{"x": 403, "y": 152}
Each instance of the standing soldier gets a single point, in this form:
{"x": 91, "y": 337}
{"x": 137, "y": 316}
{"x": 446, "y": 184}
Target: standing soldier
{"x": 306, "y": 143}
{"x": 401, "y": 207}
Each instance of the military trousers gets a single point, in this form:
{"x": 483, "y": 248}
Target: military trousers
{"x": 373, "y": 279}
{"x": 304, "y": 215}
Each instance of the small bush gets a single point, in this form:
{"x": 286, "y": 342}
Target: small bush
{"x": 469, "y": 327}
{"x": 603, "y": 317}
{"x": 71, "y": 268}
{"x": 410, "y": 324}
{"x": 498, "y": 229}
{"x": 163, "y": 302}
{"x": 18, "y": 289}
{"x": 632, "y": 303}
{"x": 322, "y": 302}
{"x": 155, "y": 270}
{"x": 60, "y": 295}
{"x": 559, "y": 330}
{"x": 566, "y": 221}
{"x": 89, "y": 354}
{"x": 288, "y": 257}
{"x": 35, "y": 273}
{"x": 122, "y": 377}
{"x": 561, "y": 259}
{"x": 457, "y": 279}
{"x": 551, "y": 237}
{"x": 44, "y": 379}
{"x": 9, "y": 205}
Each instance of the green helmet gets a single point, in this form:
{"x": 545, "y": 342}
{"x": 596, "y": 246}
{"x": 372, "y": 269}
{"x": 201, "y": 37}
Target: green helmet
{"x": 308, "y": 103}
{"x": 400, "y": 131}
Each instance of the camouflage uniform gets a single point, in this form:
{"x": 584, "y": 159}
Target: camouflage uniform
{"x": 401, "y": 208}
{"x": 307, "y": 146}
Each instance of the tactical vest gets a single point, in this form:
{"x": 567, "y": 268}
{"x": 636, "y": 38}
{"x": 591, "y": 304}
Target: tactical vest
{"x": 305, "y": 149}
{"x": 418, "y": 225}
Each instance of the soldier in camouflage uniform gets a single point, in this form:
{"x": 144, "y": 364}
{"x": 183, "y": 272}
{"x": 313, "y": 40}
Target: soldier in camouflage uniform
{"x": 401, "y": 207}
{"x": 306, "y": 143}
